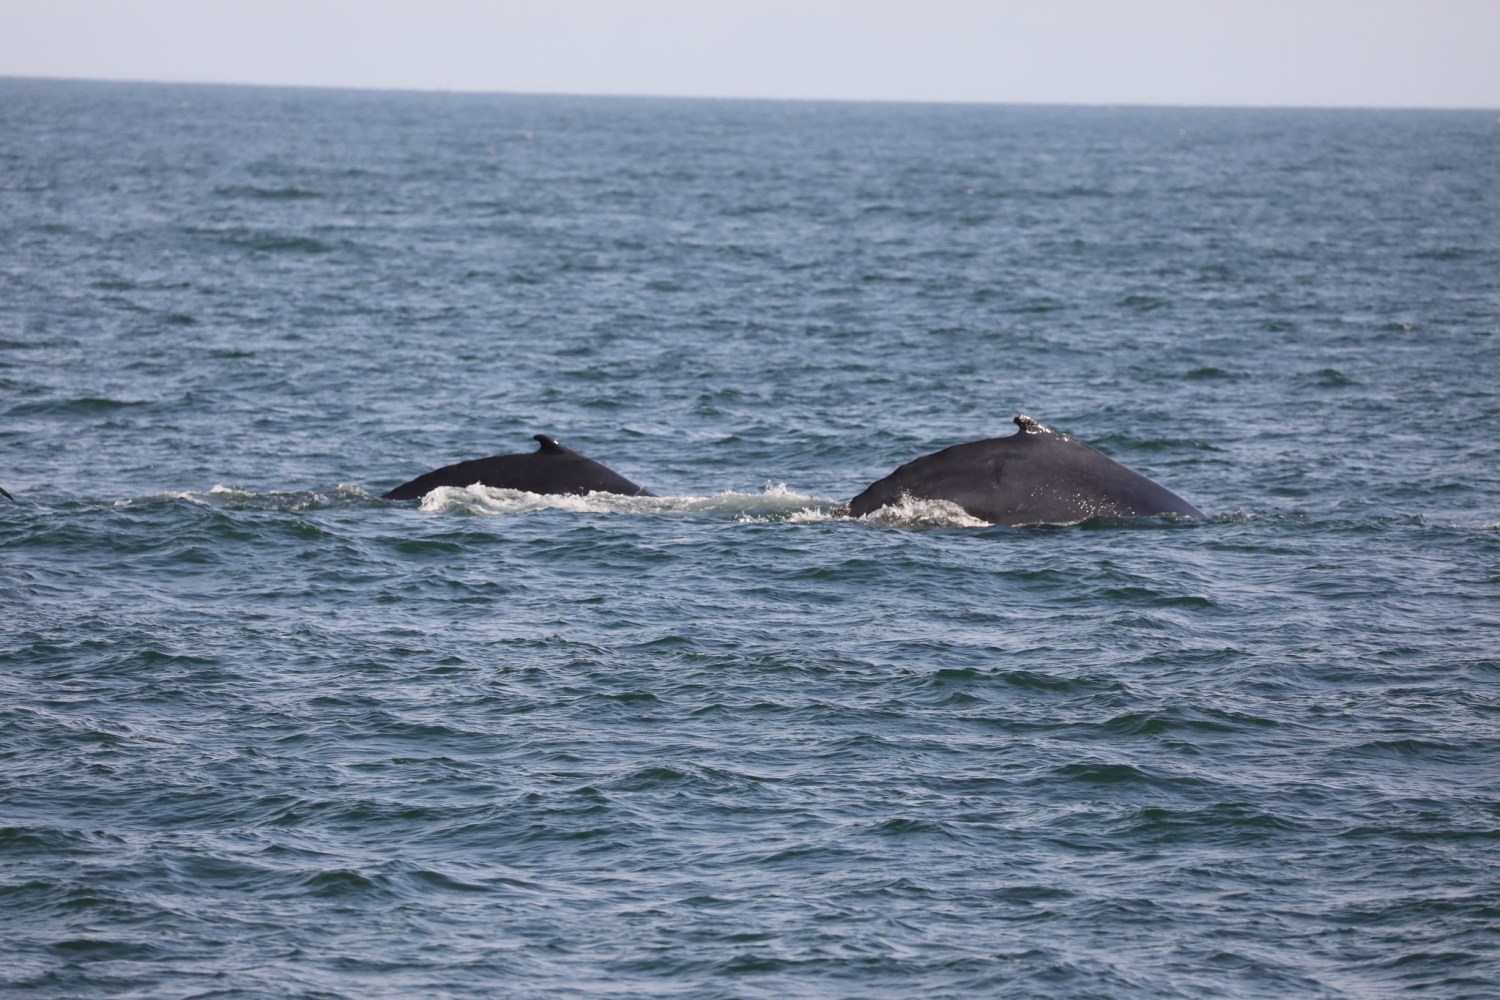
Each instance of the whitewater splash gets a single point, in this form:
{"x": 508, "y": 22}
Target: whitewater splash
{"x": 774, "y": 503}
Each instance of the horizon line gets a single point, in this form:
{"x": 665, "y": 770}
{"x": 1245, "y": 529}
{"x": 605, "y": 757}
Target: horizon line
{"x": 935, "y": 101}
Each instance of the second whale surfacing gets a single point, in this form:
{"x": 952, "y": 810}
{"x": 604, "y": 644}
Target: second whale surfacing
{"x": 1036, "y": 476}
{"x": 552, "y": 469}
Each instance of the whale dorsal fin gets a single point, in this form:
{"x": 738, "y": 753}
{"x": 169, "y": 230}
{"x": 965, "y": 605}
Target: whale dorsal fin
{"x": 1028, "y": 425}
{"x": 549, "y": 446}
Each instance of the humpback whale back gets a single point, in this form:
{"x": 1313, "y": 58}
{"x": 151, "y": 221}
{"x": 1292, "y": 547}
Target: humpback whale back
{"x": 552, "y": 469}
{"x": 1036, "y": 476}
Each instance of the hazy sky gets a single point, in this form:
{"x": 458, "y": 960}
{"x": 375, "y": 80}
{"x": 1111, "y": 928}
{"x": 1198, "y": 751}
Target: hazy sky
{"x": 1386, "y": 53}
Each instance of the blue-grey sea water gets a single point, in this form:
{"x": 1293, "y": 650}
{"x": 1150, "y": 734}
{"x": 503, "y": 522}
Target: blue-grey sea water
{"x": 263, "y": 734}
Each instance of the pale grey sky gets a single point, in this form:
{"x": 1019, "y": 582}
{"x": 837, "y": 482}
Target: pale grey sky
{"x": 1381, "y": 53}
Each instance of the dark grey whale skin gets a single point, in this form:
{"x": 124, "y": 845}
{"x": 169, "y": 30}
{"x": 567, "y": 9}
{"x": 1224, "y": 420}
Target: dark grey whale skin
{"x": 1035, "y": 476}
{"x": 551, "y": 469}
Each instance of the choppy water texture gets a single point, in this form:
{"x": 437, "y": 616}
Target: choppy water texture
{"x": 262, "y": 734}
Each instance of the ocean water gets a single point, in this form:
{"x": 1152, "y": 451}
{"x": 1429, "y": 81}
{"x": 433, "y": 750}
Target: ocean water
{"x": 265, "y": 735}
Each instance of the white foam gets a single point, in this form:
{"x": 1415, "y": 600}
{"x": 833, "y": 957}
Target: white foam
{"x": 775, "y": 503}
{"x": 910, "y": 512}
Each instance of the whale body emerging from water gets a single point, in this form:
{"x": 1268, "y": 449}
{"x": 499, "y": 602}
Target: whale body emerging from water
{"x": 551, "y": 469}
{"x": 1036, "y": 476}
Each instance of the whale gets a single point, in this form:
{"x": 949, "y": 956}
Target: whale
{"x": 1037, "y": 476}
{"x": 552, "y": 469}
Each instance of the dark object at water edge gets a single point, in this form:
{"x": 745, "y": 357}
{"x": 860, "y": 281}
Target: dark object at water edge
{"x": 551, "y": 469}
{"x": 1035, "y": 476}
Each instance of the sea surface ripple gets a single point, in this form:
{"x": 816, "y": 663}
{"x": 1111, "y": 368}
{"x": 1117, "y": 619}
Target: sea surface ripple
{"x": 263, "y": 734}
